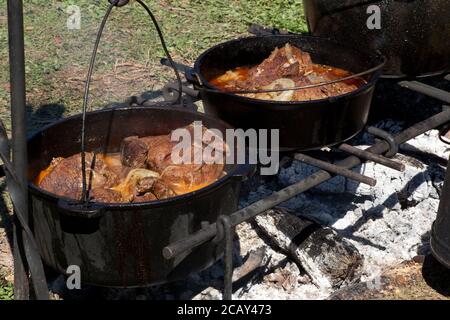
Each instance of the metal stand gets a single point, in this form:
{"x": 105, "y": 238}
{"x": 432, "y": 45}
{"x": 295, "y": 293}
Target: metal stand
{"x": 226, "y": 232}
{"x": 388, "y": 145}
{"x": 28, "y": 265}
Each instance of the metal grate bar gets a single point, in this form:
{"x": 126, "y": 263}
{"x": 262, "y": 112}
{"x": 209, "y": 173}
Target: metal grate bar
{"x": 337, "y": 170}
{"x": 287, "y": 193}
{"x": 430, "y": 91}
{"x": 366, "y": 155}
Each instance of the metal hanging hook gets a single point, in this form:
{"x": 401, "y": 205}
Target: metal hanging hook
{"x": 114, "y": 3}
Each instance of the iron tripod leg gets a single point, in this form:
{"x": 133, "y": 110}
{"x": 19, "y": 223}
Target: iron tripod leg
{"x": 226, "y": 231}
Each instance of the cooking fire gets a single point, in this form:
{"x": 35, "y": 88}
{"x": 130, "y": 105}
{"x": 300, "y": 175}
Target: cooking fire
{"x": 281, "y": 165}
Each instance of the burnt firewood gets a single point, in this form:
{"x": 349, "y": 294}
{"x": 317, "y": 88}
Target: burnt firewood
{"x": 254, "y": 261}
{"x": 326, "y": 257}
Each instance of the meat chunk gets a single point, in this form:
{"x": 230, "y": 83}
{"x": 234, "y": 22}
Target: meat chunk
{"x": 186, "y": 177}
{"x": 160, "y": 150}
{"x": 286, "y": 62}
{"x": 132, "y": 185}
{"x": 105, "y": 195}
{"x": 147, "y": 197}
{"x": 142, "y": 172}
{"x": 133, "y": 152}
{"x": 287, "y": 67}
{"x": 162, "y": 191}
{"x": 65, "y": 179}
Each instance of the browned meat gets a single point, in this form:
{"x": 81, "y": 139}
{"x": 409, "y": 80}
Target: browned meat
{"x": 105, "y": 195}
{"x": 160, "y": 150}
{"x": 65, "y": 179}
{"x": 179, "y": 176}
{"x": 145, "y": 185}
{"x": 286, "y": 68}
{"x": 147, "y": 197}
{"x": 162, "y": 191}
{"x": 133, "y": 152}
{"x": 143, "y": 171}
{"x": 286, "y": 62}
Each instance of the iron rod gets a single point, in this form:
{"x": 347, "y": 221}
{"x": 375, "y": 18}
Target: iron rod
{"x": 430, "y": 91}
{"x": 18, "y": 124}
{"x": 228, "y": 258}
{"x": 387, "y": 137}
{"x": 26, "y": 255}
{"x": 287, "y": 193}
{"x": 335, "y": 169}
{"x": 372, "y": 157}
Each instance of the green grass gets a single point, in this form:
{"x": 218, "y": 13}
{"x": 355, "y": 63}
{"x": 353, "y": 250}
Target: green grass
{"x": 6, "y": 288}
{"x": 55, "y": 54}
{"x": 57, "y": 58}
{"x": 6, "y": 292}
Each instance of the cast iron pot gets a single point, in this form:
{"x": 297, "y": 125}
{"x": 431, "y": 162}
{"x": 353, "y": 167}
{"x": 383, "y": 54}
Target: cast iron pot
{"x": 303, "y": 125}
{"x": 414, "y": 34}
{"x": 121, "y": 245}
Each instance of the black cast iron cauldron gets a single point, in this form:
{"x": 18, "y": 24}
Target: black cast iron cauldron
{"x": 414, "y": 34}
{"x": 303, "y": 125}
{"x": 121, "y": 244}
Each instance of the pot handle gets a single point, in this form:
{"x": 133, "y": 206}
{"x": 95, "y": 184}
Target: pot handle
{"x": 80, "y": 210}
{"x": 244, "y": 171}
{"x": 79, "y": 218}
{"x": 191, "y": 76}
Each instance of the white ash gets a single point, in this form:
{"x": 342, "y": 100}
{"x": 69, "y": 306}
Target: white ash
{"x": 388, "y": 223}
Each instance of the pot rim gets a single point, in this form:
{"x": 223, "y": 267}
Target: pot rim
{"x": 237, "y": 172}
{"x": 376, "y": 74}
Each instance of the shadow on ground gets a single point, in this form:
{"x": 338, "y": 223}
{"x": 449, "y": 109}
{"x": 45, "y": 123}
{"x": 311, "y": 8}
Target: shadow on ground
{"x": 436, "y": 275}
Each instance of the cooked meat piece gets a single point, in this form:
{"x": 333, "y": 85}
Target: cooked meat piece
{"x": 160, "y": 149}
{"x": 338, "y": 88}
{"x": 211, "y": 172}
{"x": 133, "y": 152}
{"x": 285, "y": 68}
{"x": 182, "y": 177}
{"x": 128, "y": 187}
{"x": 145, "y": 185}
{"x": 105, "y": 195}
{"x": 188, "y": 178}
{"x": 66, "y": 178}
{"x": 126, "y": 177}
{"x": 49, "y": 169}
{"x": 162, "y": 191}
{"x": 147, "y": 197}
{"x": 310, "y": 93}
{"x": 282, "y": 63}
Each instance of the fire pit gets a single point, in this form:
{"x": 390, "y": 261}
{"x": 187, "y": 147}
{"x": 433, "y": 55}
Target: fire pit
{"x": 336, "y": 225}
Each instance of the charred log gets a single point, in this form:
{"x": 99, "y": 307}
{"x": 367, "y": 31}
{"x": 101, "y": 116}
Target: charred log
{"x": 327, "y": 258}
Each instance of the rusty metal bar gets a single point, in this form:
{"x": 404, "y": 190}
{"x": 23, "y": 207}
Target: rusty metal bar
{"x": 386, "y": 136}
{"x": 372, "y": 157}
{"x": 27, "y": 261}
{"x": 335, "y": 169}
{"x": 430, "y": 91}
{"x": 17, "y": 79}
{"x": 287, "y": 193}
